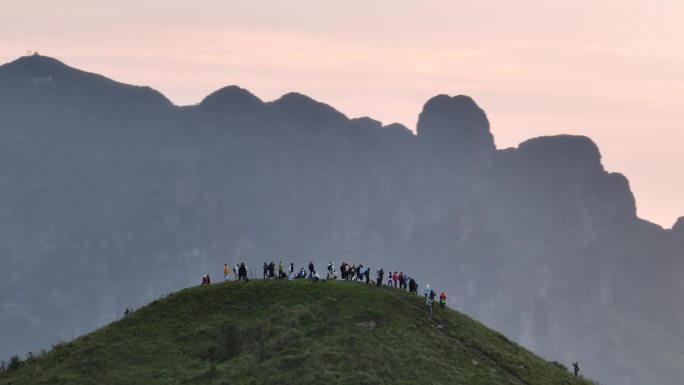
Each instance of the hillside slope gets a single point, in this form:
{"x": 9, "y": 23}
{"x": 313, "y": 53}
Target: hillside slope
{"x": 278, "y": 332}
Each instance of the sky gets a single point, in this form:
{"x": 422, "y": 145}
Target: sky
{"x": 612, "y": 70}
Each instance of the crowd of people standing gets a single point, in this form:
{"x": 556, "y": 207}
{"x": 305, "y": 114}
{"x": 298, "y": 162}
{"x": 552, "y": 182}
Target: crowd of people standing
{"x": 358, "y": 273}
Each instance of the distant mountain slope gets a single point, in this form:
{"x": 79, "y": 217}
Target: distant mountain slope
{"x": 279, "y": 332}
{"x": 111, "y": 196}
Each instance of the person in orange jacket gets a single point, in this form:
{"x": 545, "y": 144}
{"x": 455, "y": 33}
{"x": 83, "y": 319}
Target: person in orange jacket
{"x": 442, "y": 299}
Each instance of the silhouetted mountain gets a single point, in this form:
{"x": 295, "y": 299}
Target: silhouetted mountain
{"x": 458, "y": 131}
{"x": 231, "y": 99}
{"x": 112, "y": 196}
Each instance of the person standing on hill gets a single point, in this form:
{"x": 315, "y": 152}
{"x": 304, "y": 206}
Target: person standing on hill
{"x": 575, "y": 366}
{"x": 426, "y": 291}
{"x": 311, "y": 269}
{"x": 291, "y": 267}
{"x": 265, "y": 270}
{"x": 235, "y": 270}
{"x": 242, "y": 272}
{"x": 331, "y": 270}
{"x": 401, "y": 280}
{"x": 367, "y": 274}
{"x": 381, "y": 273}
{"x": 280, "y": 269}
{"x": 226, "y": 272}
{"x": 395, "y": 278}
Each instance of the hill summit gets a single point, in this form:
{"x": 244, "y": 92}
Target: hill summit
{"x": 284, "y": 332}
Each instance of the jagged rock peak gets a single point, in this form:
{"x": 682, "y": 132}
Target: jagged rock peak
{"x": 35, "y": 65}
{"x": 458, "y": 130}
{"x": 398, "y": 128}
{"x": 306, "y": 109}
{"x": 230, "y": 98}
{"x": 70, "y": 83}
{"x": 563, "y": 151}
{"x": 678, "y": 227}
{"x": 457, "y": 118}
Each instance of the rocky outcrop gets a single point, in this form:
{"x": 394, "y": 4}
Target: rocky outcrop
{"x": 458, "y": 132}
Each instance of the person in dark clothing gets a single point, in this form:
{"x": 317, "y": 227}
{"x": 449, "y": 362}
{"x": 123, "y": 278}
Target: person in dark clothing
{"x": 311, "y": 269}
{"x": 366, "y": 273}
{"x": 265, "y": 270}
{"x": 271, "y": 270}
{"x": 242, "y": 272}
{"x": 575, "y": 366}
{"x": 402, "y": 285}
{"x": 381, "y": 273}
{"x": 291, "y": 267}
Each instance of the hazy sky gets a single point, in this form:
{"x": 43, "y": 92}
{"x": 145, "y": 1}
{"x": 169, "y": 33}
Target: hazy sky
{"x": 612, "y": 70}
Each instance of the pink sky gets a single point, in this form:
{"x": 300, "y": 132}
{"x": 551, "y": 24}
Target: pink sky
{"x": 611, "y": 70}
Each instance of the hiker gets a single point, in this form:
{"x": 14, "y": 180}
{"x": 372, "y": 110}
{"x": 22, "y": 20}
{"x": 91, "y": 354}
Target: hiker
{"x": 311, "y": 269}
{"x": 381, "y": 272}
{"x": 395, "y": 278}
{"x": 271, "y": 270}
{"x": 367, "y": 274}
{"x": 442, "y": 300}
{"x": 389, "y": 278}
{"x": 242, "y": 272}
{"x": 426, "y": 291}
{"x": 235, "y": 270}
{"x": 291, "y": 267}
{"x": 204, "y": 279}
{"x": 127, "y": 312}
{"x": 314, "y": 277}
{"x": 575, "y": 366}
{"x": 351, "y": 275}
{"x": 280, "y": 269}
{"x": 402, "y": 285}
{"x": 411, "y": 285}
{"x": 302, "y": 273}
{"x": 265, "y": 270}
{"x": 343, "y": 271}
{"x": 226, "y": 272}
{"x": 331, "y": 271}
{"x": 360, "y": 272}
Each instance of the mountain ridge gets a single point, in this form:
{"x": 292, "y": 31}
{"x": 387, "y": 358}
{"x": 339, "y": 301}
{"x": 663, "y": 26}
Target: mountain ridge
{"x": 110, "y": 200}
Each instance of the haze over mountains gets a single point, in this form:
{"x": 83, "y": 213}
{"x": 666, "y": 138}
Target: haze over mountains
{"x": 113, "y": 196}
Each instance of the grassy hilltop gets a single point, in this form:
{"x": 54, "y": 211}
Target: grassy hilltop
{"x": 280, "y": 332}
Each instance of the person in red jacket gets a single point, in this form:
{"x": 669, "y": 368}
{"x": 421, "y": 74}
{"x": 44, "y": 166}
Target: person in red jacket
{"x": 442, "y": 299}
{"x": 395, "y": 278}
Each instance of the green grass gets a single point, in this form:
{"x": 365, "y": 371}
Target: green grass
{"x": 280, "y": 332}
